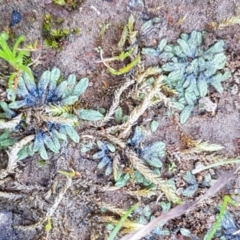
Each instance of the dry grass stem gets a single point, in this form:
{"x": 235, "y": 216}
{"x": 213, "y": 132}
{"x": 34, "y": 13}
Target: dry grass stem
{"x": 163, "y": 185}
{"x": 10, "y": 196}
{"x": 139, "y": 110}
{"x": 139, "y": 165}
{"x": 10, "y": 124}
{"x": 148, "y": 72}
{"x": 120, "y": 212}
{"x": 225, "y": 23}
{"x": 115, "y": 103}
{"x": 59, "y": 198}
{"x": 114, "y": 140}
{"x": 142, "y": 193}
{"x": 127, "y": 224}
{"x": 13, "y": 155}
{"x": 116, "y": 165}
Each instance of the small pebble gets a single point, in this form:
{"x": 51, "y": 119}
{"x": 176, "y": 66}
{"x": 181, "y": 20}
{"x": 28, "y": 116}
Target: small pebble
{"x": 234, "y": 89}
{"x": 207, "y": 105}
{"x": 16, "y": 18}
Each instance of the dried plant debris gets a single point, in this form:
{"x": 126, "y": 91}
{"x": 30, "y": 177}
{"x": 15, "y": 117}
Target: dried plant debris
{"x": 225, "y": 23}
{"x": 190, "y": 68}
{"x": 181, "y": 209}
{"x": 141, "y": 215}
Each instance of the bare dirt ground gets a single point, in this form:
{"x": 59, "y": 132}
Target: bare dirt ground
{"x": 26, "y": 195}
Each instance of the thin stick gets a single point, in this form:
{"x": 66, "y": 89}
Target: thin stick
{"x": 115, "y": 103}
{"x": 139, "y": 110}
{"x": 216, "y": 164}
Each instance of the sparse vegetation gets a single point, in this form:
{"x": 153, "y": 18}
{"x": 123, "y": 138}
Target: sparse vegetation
{"x": 54, "y": 35}
{"x": 225, "y": 220}
{"x": 189, "y": 69}
{"x": 15, "y": 57}
{"x": 47, "y": 111}
{"x": 44, "y": 114}
{"x": 68, "y": 4}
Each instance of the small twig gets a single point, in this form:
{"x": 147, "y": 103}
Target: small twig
{"x": 216, "y": 164}
{"x": 115, "y": 103}
{"x": 139, "y": 110}
{"x": 113, "y": 139}
{"x": 95, "y": 9}
{"x": 59, "y": 198}
{"x": 10, "y": 196}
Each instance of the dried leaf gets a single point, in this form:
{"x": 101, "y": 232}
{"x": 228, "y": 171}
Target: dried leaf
{"x": 225, "y": 23}
{"x": 203, "y": 146}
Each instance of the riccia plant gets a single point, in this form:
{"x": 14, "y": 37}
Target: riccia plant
{"x": 190, "y": 69}
{"x": 104, "y": 155}
{"x": 46, "y": 109}
{"x": 152, "y": 154}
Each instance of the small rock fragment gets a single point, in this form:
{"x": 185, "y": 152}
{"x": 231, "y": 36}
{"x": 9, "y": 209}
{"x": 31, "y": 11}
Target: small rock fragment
{"x": 234, "y": 89}
{"x": 16, "y": 18}
{"x": 205, "y": 104}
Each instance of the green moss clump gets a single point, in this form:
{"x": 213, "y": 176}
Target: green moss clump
{"x": 53, "y": 35}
